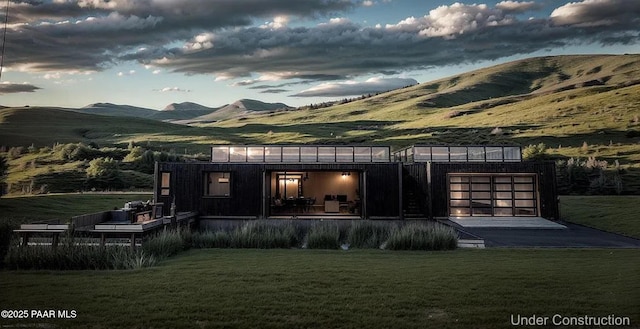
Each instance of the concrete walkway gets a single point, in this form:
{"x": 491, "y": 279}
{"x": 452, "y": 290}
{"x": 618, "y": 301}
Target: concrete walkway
{"x": 507, "y": 222}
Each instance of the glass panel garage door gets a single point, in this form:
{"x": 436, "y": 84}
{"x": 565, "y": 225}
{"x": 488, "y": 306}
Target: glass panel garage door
{"x": 492, "y": 195}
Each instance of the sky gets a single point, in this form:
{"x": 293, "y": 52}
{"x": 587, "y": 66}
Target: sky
{"x": 150, "y": 53}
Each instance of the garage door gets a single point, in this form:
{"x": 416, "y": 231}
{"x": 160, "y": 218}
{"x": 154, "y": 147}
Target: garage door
{"x": 492, "y": 195}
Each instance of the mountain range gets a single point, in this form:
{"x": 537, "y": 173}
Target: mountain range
{"x": 186, "y": 112}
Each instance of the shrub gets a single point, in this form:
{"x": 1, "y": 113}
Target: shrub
{"x": 367, "y": 234}
{"x": 423, "y": 236}
{"x": 323, "y": 236}
{"x": 535, "y": 152}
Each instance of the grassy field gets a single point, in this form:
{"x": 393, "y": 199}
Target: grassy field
{"x": 618, "y": 214}
{"x": 218, "y": 288}
{"x": 62, "y": 206}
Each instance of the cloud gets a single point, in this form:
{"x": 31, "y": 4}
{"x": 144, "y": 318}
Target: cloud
{"x": 95, "y": 34}
{"x": 517, "y": 6}
{"x": 274, "y": 91}
{"x": 351, "y": 88}
{"x": 447, "y": 35}
{"x": 367, "y": 3}
{"x": 593, "y": 13}
{"x": 13, "y": 88}
{"x": 225, "y": 38}
{"x": 130, "y": 72}
{"x": 173, "y": 89}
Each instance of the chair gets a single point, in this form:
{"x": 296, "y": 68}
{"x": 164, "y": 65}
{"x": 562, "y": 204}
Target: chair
{"x": 301, "y": 204}
{"x": 310, "y": 203}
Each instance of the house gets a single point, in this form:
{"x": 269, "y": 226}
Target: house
{"x": 359, "y": 182}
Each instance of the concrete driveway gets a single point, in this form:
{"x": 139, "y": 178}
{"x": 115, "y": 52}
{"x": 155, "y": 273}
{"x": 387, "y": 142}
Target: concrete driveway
{"x": 573, "y": 236}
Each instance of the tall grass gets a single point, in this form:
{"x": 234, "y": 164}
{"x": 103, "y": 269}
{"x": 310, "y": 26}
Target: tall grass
{"x": 422, "y": 236}
{"x": 75, "y": 257}
{"x": 323, "y": 236}
{"x": 164, "y": 244}
{"x": 255, "y": 234}
{"x": 6, "y": 235}
{"x": 368, "y": 234}
{"x": 71, "y": 255}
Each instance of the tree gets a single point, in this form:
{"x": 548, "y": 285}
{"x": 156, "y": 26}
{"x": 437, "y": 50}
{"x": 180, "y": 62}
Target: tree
{"x": 104, "y": 173}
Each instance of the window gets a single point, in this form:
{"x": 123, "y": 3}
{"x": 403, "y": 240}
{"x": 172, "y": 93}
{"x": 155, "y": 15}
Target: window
{"x": 291, "y": 154}
{"x": 475, "y": 153}
{"x": 165, "y": 183}
{"x": 218, "y": 184}
{"x": 422, "y": 153}
{"x": 308, "y": 154}
{"x": 238, "y": 154}
{"x": 440, "y": 154}
{"x": 362, "y": 154}
{"x": 255, "y": 154}
{"x": 512, "y": 154}
{"x": 344, "y": 154}
{"x": 458, "y": 154}
{"x": 220, "y": 154}
{"x": 380, "y": 154}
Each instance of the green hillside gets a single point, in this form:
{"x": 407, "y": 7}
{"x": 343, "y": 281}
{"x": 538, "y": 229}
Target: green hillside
{"x": 47, "y": 126}
{"x": 579, "y": 106}
{"x": 555, "y": 100}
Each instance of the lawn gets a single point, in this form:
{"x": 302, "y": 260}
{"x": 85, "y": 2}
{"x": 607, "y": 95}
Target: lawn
{"x": 62, "y": 206}
{"x": 619, "y": 214}
{"x": 329, "y": 289}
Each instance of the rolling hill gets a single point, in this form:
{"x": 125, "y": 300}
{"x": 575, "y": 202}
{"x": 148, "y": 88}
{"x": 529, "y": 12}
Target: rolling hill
{"x": 41, "y": 126}
{"x": 186, "y": 112}
{"x": 182, "y": 111}
{"x": 579, "y": 106}
{"x": 110, "y": 109}
{"x": 240, "y": 108}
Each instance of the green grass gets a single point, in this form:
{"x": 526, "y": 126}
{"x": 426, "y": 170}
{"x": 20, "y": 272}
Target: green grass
{"x": 61, "y": 206}
{"x": 618, "y": 214}
{"x": 340, "y": 289}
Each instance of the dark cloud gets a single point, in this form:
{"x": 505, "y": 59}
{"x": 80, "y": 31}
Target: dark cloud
{"x": 93, "y": 34}
{"x": 448, "y": 35}
{"x": 13, "y": 88}
{"x": 351, "y": 88}
{"x": 274, "y": 91}
{"x": 220, "y": 37}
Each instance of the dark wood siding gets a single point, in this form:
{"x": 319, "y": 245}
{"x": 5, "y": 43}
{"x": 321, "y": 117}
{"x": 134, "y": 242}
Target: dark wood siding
{"x": 415, "y": 191}
{"x": 187, "y": 187}
{"x": 545, "y": 172}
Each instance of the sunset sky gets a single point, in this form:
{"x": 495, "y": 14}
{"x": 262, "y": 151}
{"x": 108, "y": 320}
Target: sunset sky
{"x": 150, "y": 53}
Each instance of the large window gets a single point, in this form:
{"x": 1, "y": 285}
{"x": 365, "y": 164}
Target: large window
{"x": 218, "y": 184}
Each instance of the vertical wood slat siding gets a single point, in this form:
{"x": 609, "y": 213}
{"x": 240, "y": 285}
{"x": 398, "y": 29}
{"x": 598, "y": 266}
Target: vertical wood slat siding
{"x": 187, "y": 186}
{"x": 415, "y": 178}
{"x": 544, "y": 170}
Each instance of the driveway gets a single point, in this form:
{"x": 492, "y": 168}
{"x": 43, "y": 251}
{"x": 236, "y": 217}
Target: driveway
{"x": 574, "y": 236}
